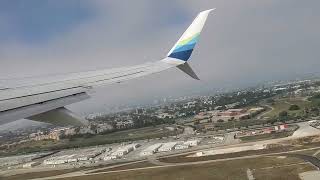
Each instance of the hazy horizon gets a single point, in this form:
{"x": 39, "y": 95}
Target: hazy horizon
{"x": 244, "y": 43}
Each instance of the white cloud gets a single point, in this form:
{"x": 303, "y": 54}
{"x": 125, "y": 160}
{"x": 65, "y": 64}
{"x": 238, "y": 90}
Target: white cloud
{"x": 244, "y": 42}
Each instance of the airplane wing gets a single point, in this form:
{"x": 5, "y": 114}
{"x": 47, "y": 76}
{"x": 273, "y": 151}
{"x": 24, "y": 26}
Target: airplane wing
{"x": 45, "y": 101}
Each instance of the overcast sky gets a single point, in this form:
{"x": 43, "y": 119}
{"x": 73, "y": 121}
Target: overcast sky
{"x": 244, "y": 42}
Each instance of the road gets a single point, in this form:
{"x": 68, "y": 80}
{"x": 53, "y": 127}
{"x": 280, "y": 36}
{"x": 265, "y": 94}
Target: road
{"x": 266, "y": 112}
{"x": 305, "y": 130}
{"x": 316, "y": 153}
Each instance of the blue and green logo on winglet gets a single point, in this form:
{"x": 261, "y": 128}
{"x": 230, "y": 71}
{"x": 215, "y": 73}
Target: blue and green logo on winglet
{"x": 184, "y": 48}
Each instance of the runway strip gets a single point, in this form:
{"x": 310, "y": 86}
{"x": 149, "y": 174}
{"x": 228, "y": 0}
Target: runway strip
{"x": 84, "y": 173}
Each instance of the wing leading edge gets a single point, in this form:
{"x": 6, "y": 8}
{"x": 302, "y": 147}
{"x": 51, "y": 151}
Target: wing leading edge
{"x": 42, "y": 100}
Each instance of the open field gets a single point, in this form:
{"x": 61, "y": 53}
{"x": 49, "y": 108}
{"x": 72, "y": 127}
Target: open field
{"x": 239, "y": 124}
{"x": 116, "y": 137}
{"x": 284, "y": 104}
{"x": 129, "y": 166}
{"x": 289, "y": 172}
{"x": 285, "y": 168}
{"x": 184, "y": 158}
{"x": 47, "y": 172}
{"x": 277, "y": 149}
{"x": 40, "y": 174}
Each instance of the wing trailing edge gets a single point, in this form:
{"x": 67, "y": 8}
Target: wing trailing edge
{"x": 60, "y": 117}
{"x": 188, "y": 70}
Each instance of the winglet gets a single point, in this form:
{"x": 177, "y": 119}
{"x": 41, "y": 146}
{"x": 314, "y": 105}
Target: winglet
{"x": 183, "y": 48}
{"x": 188, "y": 70}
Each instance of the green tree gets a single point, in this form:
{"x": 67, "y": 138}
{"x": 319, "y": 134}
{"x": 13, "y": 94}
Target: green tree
{"x": 294, "y": 107}
{"x": 272, "y": 121}
{"x": 283, "y": 114}
{"x": 220, "y": 121}
{"x": 315, "y": 111}
{"x": 270, "y": 100}
{"x": 316, "y": 96}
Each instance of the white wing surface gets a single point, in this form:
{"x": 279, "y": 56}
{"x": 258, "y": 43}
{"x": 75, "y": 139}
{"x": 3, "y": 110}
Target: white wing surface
{"x": 41, "y": 101}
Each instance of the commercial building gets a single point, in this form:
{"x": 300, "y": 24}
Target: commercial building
{"x": 151, "y": 149}
{"x": 218, "y": 138}
{"x": 30, "y": 164}
{"x": 167, "y": 147}
{"x": 59, "y": 159}
{"x": 109, "y": 157}
{"x": 164, "y": 115}
{"x": 121, "y": 151}
{"x": 192, "y": 142}
{"x": 124, "y": 124}
{"x": 74, "y": 156}
{"x": 181, "y": 146}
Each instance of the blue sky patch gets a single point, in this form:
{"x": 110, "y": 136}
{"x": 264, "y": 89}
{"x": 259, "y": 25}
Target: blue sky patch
{"x": 37, "y": 21}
